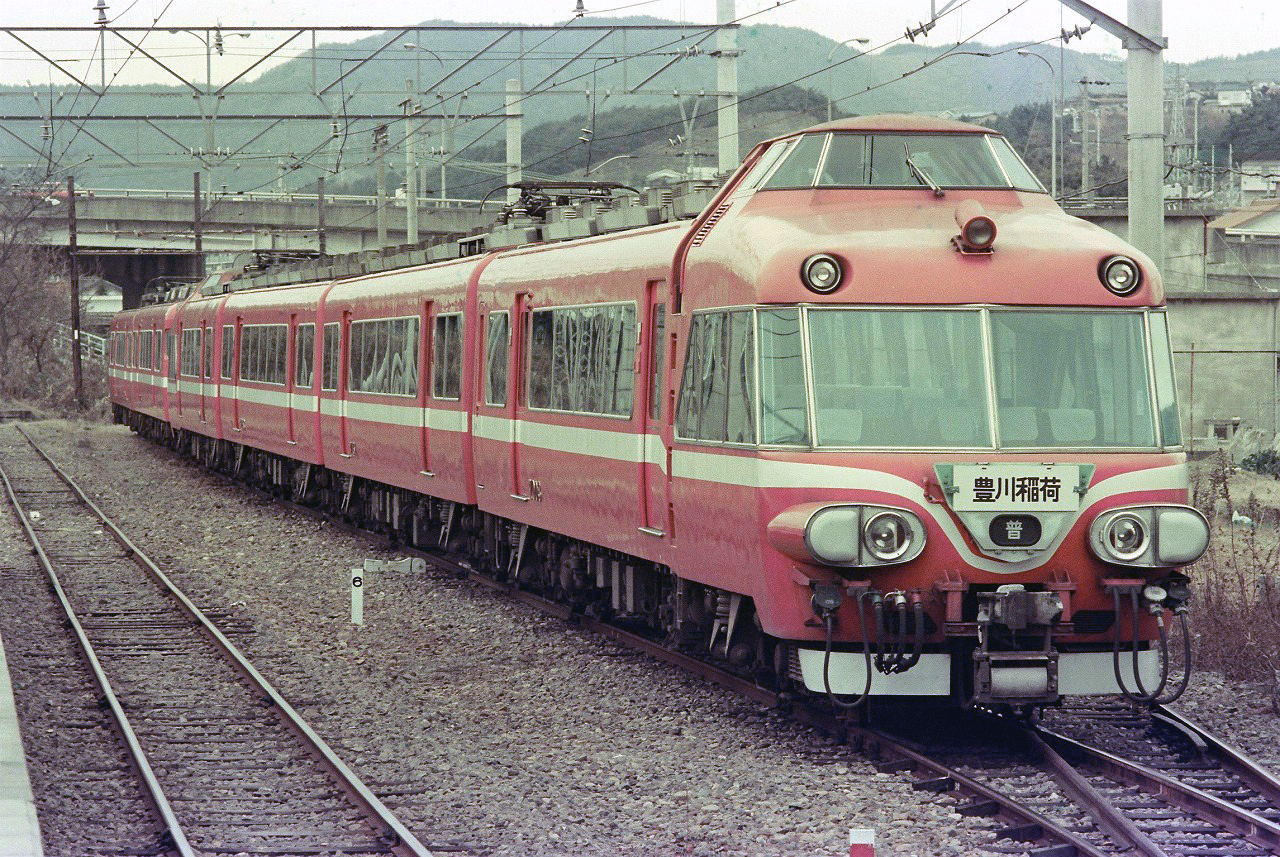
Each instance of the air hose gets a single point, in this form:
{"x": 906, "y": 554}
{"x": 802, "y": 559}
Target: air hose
{"x": 829, "y": 620}
{"x": 1141, "y": 695}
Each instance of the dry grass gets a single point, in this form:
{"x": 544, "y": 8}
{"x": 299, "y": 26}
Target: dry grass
{"x": 1235, "y": 616}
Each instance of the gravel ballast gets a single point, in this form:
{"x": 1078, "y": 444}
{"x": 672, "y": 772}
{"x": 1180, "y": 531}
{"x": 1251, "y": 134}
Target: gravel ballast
{"x": 484, "y": 723}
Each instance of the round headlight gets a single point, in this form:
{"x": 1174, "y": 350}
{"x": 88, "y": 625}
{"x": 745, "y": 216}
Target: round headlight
{"x": 1125, "y": 537}
{"x": 1120, "y": 274}
{"x": 821, "y": 273}
{"x": 887, "y": 536}
{"x": 979, "y": 233}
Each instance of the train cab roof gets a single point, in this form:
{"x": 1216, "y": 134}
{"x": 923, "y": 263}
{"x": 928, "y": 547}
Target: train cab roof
{"x": 889, "y": 151}
{"x": 903, "y": 123}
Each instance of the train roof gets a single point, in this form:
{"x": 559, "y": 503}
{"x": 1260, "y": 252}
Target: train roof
{"x": 895, "y": 123}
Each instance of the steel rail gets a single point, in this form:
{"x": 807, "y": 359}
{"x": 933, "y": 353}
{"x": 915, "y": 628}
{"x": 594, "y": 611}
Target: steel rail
{"x": 1256, "y": 777}
{"x": 946, "y": 778}
{"x": 137, "y": 756}
{"x": 1022, "y": 822}
{"x": 399, "y": 838}
{"x": 1110, "y": 820}
{"x": 985, "y": 800}
{"x": 1207, "y": 807}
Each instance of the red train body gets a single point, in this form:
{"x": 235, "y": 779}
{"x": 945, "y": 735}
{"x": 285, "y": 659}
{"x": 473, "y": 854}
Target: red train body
{"x": 882, "y": 420}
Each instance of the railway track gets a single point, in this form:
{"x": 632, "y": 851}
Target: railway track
{"x": 1091, "y": 780}
{"x": 226, "y": 764}
{"x": 1045, "y": 794}
{"x": 1153, "y": 783}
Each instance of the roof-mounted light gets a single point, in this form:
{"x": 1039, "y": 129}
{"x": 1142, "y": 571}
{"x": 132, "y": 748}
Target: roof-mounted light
{"x": 821, "y": 273}
{"x": 977, "y": 229}
{"x": 1120, "y": 274}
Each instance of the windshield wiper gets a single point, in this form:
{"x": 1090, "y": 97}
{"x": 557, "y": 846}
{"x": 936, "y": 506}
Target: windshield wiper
{"x": 921, "y": 175}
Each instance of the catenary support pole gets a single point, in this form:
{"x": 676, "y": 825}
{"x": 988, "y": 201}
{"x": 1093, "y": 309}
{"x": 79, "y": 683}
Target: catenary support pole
{"x": 73, "y": 267}
{"x": 320, "y": 234}
{"x": 515, "y": 150}
{"x": 727, "y": 84}
{"x": 197, "y": 222}
{"x": 410, "y": 165}
{"x": 1145, "y": 69}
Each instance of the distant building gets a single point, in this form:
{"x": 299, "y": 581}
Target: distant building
{"x": 1243, "y": 246}
{"x": 1260, "y": 179}
{"x": 1226, "y": 336}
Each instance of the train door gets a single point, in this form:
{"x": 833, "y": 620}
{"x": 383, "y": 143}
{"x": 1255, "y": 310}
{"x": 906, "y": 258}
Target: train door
{"x": 237, "y": 422}
{"x": 656, "y": 462}
{"x": 516, "y": 389}
{"x": 290, "y": 379}
{"x": 348, "y": 446}
{"x": 176, "y": 369}
{"x": 424, "y": 389}
{"x": 206, "y": 374}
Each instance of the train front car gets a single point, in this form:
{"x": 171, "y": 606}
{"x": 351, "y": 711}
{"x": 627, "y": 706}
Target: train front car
{"x": 963, "y": 460}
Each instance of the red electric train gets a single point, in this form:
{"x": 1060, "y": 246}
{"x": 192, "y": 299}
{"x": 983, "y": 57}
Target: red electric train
{"x": 881, "y": 421}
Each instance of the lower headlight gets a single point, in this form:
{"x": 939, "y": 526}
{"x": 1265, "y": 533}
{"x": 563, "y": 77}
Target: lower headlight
{"x": 1150, "y": 536}
{"x": 1125, "y": 538}
{"x": 848, "y": 535}
{"x": 887, "y": 536}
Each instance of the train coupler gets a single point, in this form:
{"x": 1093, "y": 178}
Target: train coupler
{"x": 1021, "y": 676}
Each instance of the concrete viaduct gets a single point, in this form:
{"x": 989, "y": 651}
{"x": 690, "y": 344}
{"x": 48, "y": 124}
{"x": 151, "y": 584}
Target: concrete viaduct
{"x": 132, "y": 237}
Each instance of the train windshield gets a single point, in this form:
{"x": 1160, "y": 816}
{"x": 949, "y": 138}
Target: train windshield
{"x": 842, "y": 159}
{"x": 965, "y": 378}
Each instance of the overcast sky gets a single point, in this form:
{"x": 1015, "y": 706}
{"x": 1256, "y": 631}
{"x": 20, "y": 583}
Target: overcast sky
{"x": 1194, "y": 28}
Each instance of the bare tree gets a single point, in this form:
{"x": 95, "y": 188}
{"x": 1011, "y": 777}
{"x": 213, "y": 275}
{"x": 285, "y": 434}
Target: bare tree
{"x": 34, "y": 303}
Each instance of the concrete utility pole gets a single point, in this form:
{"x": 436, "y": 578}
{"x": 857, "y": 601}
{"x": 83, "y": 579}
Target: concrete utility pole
{"x": 1086, "y": 178}
{"x": 726, "y": 55}
{"x": 73, "y": 267}
{"x": 410, "y": 166}
{"x": 1145, "y": 72}
{"x": 197, "y": 221}
{"x": 515, "y": 134}
{"x": 380, "y": 155}
{"x": 320, "y": 234}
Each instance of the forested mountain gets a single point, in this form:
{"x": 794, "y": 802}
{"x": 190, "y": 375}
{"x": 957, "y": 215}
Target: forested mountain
{"x": 625, "y": 106}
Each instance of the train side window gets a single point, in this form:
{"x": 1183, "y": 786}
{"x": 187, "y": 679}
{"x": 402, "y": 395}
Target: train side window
{"x": 171, "y": 350}
{"x": 801, "y": 165}
{"x": 190, "y": 361}
{"x": 329, "y": 357}
{"x": 497, "y": 345}
{"x": 207, "y": 368}
{"x": 248, "y": 347}
{"x": 304, "y": 340}
{"x": 1166, "y": 394}
{"x": 717, "y": 394}
{"x": 446, "y": 381}
{"x": 383, "y": 357}
{"x": 404, "y": 357}
{"x": 228, "y": 350}
{"x": 740, "y": 425}
{"x": 360, "y": 347}
{"x": 783, "y": 401}
{"x": 279, "y": 354}
{"x": 767, "y": 162}
{"x": 582, "y": 359}
{"x": 541, "y": 334}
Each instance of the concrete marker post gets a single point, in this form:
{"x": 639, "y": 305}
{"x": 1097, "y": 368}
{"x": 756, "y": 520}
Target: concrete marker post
{"x": 357, "y": 596}
{"x": 862, "y": 842}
